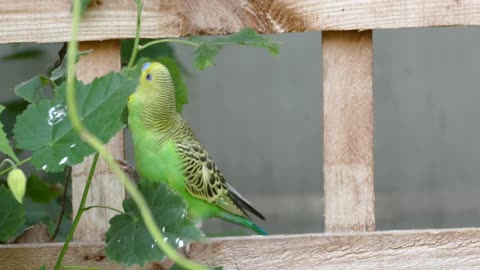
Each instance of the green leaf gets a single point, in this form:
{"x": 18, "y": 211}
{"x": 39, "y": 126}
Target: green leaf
{"x": 45, "y": 128}
{"x": 11, "y": 213}
{"x": 128, "y": 240}
{"x": 162, "y": 49}
{"x": 84, "y": 5}
{"x": 43, "y": 268}
{"x": 48, "y": 214}
{"x": 13, "y": 108}
{"x": 179, "y": 84}
{"x": 33, "y": 90}
{"x": 207, "y": 50}
{"x": 4, "y": 143}
{"x": 40, "y": 191}
{"x": 205, "y": 53}
{"x": 59, "y": 72}
{"x": 23, "y": 54}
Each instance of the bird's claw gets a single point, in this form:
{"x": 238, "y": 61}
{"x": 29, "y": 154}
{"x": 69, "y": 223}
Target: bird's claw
{"x": 187, "y": 250}
{"x": 129, "y": 170}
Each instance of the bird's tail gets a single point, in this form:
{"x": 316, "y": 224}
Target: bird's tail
{"x": 246, "y": 222}
{"x": 257, "y": 228}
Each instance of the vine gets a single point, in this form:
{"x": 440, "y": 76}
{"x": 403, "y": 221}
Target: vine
{"x": 66, "y": 135}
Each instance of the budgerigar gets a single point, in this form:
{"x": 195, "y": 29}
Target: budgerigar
{"x": 167, "y": 150}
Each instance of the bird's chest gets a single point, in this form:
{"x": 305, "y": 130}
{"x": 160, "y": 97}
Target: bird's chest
{"x": 157, "y": 159}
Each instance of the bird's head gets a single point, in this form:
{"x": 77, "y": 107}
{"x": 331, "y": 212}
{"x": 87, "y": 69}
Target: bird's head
{"x": 155, "y": 93}
{"x": 155, "y": 79}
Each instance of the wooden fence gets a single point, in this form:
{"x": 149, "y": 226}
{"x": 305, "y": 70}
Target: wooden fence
{"x": 349, "y": 241}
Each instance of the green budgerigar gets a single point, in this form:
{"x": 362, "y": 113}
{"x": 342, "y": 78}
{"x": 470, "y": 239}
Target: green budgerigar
{"x": 167, "y": 150}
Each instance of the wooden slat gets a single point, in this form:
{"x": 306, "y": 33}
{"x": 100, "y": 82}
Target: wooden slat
{"x": 34, "y": 256}
{"x": 49, "y": 21}
{"x": 401, "y": 250}
{"x": 348, "y": 131}
{"x": 105, "y": 188}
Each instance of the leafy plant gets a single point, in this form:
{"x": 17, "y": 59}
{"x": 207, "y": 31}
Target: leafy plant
{"x": 22, "y": 54}
{"x": 56, "y": 143}
{"x": 67, "y": 120}
{"x": 38, "y": 190}
{"x": 207, "y": 50}
{"x": 4, "y": 144}
{"x": 84, "y": 5}
{"x": 33, "y": 89}
{"x": 12, "y": 214}
{"x": 128, "y": 240}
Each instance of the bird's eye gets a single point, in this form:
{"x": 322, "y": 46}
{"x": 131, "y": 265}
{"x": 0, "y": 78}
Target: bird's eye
{"x": 149, "y": 76}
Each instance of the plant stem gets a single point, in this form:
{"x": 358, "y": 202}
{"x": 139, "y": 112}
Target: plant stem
{"x": 16, "y": 165}
{"x": 151, "y": 43}
{"x": 71, "y": 54}
{"x": 103, "y": 206}
{"x": 137, "y": 34}
{"x": 68, "y": 174}
{"x": 7, "y": 160}
{"x": 79, "y": 213}
{"x": 136, "y": 196}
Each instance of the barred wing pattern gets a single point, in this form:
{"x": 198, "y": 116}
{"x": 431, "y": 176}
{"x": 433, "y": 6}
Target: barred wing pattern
{"x": 203, "y": 179}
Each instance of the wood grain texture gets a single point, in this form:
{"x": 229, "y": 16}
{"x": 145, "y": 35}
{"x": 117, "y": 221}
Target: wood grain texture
{"x": 49, "y": 21}
{"x": 348, "y": 131}
{"x": 105, "y": 188}
{"x": 401, "y": 250}
{"x": 34, "y": 256}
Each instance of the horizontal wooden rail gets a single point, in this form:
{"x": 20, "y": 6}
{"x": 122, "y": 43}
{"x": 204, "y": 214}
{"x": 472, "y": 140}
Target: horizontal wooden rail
{"x": 49, "y": 21}
{"x": 426, "y": 249}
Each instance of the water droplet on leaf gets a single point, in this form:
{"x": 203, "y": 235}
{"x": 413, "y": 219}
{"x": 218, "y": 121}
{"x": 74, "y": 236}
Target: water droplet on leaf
{"x": 63, "y": 161}
{"x": 56, "y": 114}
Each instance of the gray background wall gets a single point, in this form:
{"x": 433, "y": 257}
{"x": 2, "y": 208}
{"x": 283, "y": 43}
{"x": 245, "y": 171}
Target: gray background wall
{"x": 261, "y": 119}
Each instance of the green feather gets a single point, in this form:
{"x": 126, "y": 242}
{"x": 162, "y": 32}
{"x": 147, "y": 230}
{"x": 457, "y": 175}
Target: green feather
{"x": 167, "y": 150}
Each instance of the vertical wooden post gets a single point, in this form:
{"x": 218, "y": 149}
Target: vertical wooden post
{"x": 105, "y": 188}
{"x": 348, "y": 131}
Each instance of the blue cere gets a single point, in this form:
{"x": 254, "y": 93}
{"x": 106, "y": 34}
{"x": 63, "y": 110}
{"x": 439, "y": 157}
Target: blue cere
{"x": 145, "y": 66}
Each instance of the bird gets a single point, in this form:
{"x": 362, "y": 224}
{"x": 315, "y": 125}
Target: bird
{"x": 166, "y": 150}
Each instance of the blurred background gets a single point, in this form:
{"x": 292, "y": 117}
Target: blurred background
{"x": 260, "y": 117}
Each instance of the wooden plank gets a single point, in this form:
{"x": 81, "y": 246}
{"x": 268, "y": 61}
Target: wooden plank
{"x": 348, "y": 131}
{"x": 105, "y": 188}
{"x": 49, "y": 21}
{"x": 426, "y": 249}
{"x": 34, "y": 256}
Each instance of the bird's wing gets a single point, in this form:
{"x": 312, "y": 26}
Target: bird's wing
{"x": 204, "y": 181}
